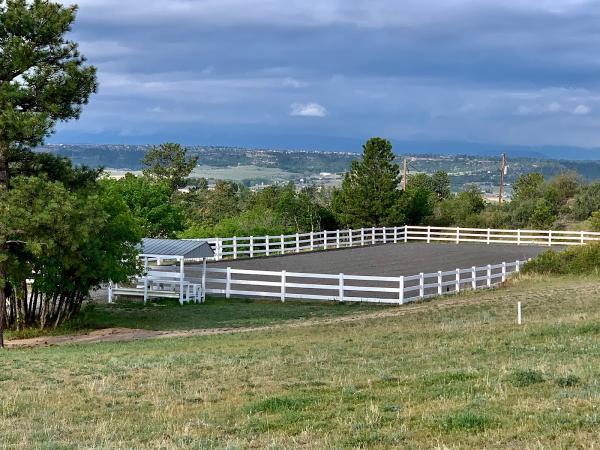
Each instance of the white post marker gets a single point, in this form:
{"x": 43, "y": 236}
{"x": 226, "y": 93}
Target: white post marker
{"x": 281, "y": 243}
{"x": 267, "y": 245}
{"x": 440, "y": 282}
{"x": 341, "y": 293}
{"x": 405, "y": 233}
{"x": 251, "y": 246}
{"x": 519, "y": 315}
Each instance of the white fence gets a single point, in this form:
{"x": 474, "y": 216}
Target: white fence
{"x": 353, "y": 288}
{"x": 253, "y": 246}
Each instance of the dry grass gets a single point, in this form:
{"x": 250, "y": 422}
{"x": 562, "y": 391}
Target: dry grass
{"x": 459, "y": 377}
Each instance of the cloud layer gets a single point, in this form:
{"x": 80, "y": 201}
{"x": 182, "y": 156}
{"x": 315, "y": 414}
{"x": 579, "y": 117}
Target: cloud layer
{"x": 236, "y": 71}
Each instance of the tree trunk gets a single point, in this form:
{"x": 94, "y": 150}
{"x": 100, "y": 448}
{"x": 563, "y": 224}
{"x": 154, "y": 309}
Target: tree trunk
{"x": 2, "y": 304}
{"x": 4, "y": 179}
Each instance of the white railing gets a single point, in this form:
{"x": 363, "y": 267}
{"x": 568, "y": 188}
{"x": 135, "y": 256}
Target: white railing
{"x": 284, "y": 285}
{"x": 253, "y": 246}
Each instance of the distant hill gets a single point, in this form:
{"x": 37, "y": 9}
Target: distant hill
{"x": 465, "y": 164}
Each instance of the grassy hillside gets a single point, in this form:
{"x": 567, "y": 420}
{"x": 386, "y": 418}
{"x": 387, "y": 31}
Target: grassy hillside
{"x": 456, "y": 372}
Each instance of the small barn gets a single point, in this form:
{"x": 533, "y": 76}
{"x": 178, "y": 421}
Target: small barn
{"x": 157, "y": 283}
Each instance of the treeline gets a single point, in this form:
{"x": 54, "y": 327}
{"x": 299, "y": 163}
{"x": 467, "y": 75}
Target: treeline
{"x": 371, "y": 195}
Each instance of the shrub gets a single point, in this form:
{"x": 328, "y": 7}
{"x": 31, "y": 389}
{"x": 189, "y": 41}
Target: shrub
{"x": 577, "y": 260}
{"x": 522, "y": 378}
{"x": 568, "y": 381}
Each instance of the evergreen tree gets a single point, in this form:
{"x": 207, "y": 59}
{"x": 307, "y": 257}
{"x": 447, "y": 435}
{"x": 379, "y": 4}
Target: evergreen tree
{"x": 43, "y": 80}
{"x": 169, "y": 162}
{"x": 369, "y": 194}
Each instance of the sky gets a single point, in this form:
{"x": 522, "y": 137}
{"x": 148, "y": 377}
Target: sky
{"x": 331, "y": 73}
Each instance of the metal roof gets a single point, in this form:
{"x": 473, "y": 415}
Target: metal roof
{"x": 175, "y": 247}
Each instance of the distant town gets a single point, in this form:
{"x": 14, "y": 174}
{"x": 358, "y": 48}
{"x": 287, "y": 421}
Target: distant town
{"x": 258, "y": 168}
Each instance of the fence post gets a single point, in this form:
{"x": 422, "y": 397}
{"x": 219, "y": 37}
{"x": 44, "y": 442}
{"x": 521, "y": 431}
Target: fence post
{"x": 518, "y": 237}
{"x": 234, "y": 242}
{"x": 401, "y": 290}
{"x": 267, "y": 245}
{"x": 325, "y": 240}
{"x": 457, "y": 280}
{"x": 337, "y": 239}
{"x": 440, "y": 282}
{"x": 373, "y": 238}
{"x": 489, "y": 275}
{"x": 549, "y": 238}
{"x": 350, "y": 243}
{"x": 251, "y": 246}
{"x": 362, "y": 236}
{"x": 504, "y": 271}
{"x": 312, "y": 240}
{"x": 405, "y": 233}
{"x": 297, "y": 242}
{"x": 488, "y": 236}
{"x": 228, "y": 283}
{"x": 385, "y": 235}
{"x": 457, "y": 235}
{"x": 341, "y": 298}
{"x": 582, "y": 238}
{"x": 429, "y": 234}
{"x": 395, "y": 235}
{"x": 421, "y": 285}
{"x": 282, "y": 244}
{"x": 219, "y": 250}
{"x": 283, "y": 286}
{"x": 518, "y": 266}
{"x": 474, "y": 277}
{"x": 110, "y": 292}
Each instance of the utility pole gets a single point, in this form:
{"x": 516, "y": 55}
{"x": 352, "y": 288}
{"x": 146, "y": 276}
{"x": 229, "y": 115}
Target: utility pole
{"x": 502, "y": 174}
{"x": 405, "y": 174}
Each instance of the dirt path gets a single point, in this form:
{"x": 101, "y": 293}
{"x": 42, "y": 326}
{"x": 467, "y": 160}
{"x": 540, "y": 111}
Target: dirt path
{"x": 131, "y": 334}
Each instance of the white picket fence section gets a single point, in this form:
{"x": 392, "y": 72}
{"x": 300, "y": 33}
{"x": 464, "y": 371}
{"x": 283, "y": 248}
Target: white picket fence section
{"x": 254, "y": 246}
{"x": 353, "y": 288}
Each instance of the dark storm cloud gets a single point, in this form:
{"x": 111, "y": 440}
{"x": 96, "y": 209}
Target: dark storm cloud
{"x": 518, "y": 72}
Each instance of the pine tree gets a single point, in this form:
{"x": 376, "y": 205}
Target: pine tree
{"x": 169, "y": 162}
{"x": 43, "y": 80}
{"x": 370, "y": 192}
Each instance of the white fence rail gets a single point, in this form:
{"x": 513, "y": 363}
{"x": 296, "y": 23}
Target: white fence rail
{"x": 353, "y": 288}
{"x": 254, "y": 246}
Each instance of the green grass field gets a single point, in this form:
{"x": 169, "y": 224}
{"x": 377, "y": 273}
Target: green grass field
{"x": 451, "y": 373}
